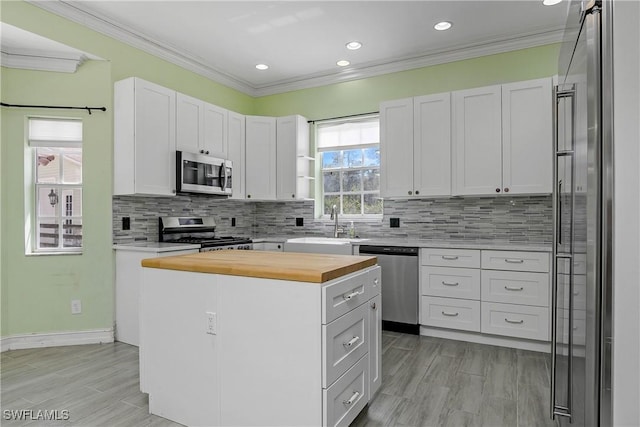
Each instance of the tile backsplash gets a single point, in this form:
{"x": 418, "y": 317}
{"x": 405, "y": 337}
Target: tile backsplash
{"x": 523, "y": 219}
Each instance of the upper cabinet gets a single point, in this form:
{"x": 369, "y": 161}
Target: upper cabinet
{"x": 293, "y": 168}
{"x": 260, "y": 158}
{"x": 144, "y": 138}
{"x": 502, "y": 139}
{"x": 201, "y": 127}
{"x": 477, "y": 141}
{"x": 415, "y": 146}
{"x": 236, "y": 150}
{"x": 527, "y": 137}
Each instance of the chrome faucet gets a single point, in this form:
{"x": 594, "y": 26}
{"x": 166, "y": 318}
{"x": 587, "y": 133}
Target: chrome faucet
{"x": 334, "y": 216}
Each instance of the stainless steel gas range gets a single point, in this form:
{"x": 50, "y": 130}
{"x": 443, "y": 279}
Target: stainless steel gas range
{"x": 198, "y": 231}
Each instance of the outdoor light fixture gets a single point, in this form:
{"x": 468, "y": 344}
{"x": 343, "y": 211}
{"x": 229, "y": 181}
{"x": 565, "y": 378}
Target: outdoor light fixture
{"x": 53, "y": 198}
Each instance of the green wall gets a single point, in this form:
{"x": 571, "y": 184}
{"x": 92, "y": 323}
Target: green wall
{"x": 363, "y": 96}
{"x": 37, "y": 290}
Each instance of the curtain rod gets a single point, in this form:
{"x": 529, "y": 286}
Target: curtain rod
{"x": 343, "y": 117}
{"x": 54, "y": 106}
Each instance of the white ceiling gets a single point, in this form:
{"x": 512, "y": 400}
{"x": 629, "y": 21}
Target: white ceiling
{"x": 302, "y": 40}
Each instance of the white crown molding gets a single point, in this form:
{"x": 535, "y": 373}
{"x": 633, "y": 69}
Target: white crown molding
{"x": 56, "y": 339}
{"x": 76, "y": 13}
{"x": 41, "y": 61}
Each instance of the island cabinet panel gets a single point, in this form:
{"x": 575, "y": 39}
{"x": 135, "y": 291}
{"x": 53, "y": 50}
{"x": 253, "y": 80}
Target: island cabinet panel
{"x": 233, "y": 350}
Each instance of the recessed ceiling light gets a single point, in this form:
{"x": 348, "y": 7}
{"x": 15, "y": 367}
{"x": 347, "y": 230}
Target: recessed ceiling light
{"x": 550, "y": 2}
{"x": 343, "y": 63}
{"x": 354, "y": 45}
{"x": 444, "y": 25}
{"x": 262, "y": 66}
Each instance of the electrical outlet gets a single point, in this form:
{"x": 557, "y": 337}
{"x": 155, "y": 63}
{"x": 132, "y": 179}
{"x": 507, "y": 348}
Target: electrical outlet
{"x": 76, "y": 306}
{"x": 299, "y": 222}
{"x": 394, "y": 222}
{"x": 212, "y": 323}
{"x": 233, "y": 222}
{"x": 126, "y": 223}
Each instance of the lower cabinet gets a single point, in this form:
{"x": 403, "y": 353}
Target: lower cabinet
{"x": 250, "y": 351}
{"x": 493, "y": 293}
{"x": 268, "y": 246}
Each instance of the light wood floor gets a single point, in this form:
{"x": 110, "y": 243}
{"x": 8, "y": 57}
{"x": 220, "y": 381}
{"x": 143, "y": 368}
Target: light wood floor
{"x": 426, "y": 381}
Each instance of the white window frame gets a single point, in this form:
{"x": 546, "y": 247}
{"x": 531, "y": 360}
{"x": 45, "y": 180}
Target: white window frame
{"x": 56, "y": 142}
{"x": 344, "y": 147}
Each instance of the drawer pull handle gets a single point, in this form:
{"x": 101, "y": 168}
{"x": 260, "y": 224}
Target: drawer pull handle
{"x": 450, "y": 314}
{"x": 352, "y": 295}
{"x": 351, "y": 342}
{"x": 373, "y": 305}
{"x": 352, "y": 399}
{"x": 513, "y": 288}
{"x": 513, "y": 260}
{"x": 450, "y": 257}
{"x": 450, "y": 283}
{"x": 518, "y": 322}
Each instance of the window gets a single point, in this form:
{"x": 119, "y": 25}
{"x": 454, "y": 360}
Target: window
{"x": 57, "y": 153}
{"x": 350, "y": 167}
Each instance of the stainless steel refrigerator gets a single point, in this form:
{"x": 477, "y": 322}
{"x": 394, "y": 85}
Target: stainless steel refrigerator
{"x": 582, "y": 250}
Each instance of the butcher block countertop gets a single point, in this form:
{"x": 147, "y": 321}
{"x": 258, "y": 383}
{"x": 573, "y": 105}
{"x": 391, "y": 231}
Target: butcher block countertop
{"x": 300, "y": 267}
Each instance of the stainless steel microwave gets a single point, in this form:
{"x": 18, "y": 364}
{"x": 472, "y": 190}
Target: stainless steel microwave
{"x": 197, "y": 173}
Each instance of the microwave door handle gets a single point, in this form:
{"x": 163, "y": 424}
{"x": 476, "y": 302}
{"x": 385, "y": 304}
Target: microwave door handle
{"x": 221, "y": 178}
{"x": 226, "y": 176}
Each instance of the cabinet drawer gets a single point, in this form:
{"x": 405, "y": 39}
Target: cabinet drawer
{"x": 375, "y": 280}
{"x": 344, "y": 400}
{"x": 344, "y": 341}
{"x": 518, "y": 261}
{"x": 450, "y": 282}
{"x": 345, "y": 295}
{"x": 512, "y": 320}
{"x": 515, "y": 287}
{"x": 451, "y": 313}
{"x": 468, "y": 258}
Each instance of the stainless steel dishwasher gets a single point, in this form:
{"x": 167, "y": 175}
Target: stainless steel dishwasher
{"x": 399, "y": 286}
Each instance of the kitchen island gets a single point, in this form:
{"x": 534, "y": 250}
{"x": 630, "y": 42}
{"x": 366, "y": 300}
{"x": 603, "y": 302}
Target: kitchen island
{"x": 260, "y": 338}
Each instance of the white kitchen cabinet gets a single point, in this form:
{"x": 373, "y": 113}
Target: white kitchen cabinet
{"x": 236, "y": 152}
{"x": 293, "y": 163}
{"x": 502, "y": 139}
{"x": 527, "y": 136}
{"x": 375, "y": 335}
{"x": 432, "y": 145}
{"x": 200, "y": 127}
{"x": 144, "y": 138}
{"x": 260, "y": 158}
{"x": 268, "y": 246}
{"x": 415, "y": 146}
{"x": 127, "y": 285}
{"x": 396, "y": 148}
{"x": 477, "y": 141}
{"x": 269, "y": 344}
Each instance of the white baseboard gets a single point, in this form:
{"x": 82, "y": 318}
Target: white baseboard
{"x": 56, "y": 339}
{"x": 474, "y": 337}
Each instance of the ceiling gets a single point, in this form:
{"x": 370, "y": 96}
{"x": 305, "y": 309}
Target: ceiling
{"x": 302, "y": 40}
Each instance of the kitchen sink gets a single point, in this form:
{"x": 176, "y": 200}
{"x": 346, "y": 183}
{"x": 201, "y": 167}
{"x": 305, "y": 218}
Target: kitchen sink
{"x": 321, "y": 245}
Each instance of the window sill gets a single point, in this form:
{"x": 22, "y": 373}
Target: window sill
{"x": 344, "y": 219}
{"x": 38, "y": 254}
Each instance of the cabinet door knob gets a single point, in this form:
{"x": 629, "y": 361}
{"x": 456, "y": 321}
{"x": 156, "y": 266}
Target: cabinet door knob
{"x": 410, "y": 192}
{"x": 293, "y": 196}
{"x": 248, "y": 196}
{"x": 373, "y": 305}
{"x": 417, "y": 192}
{"x": 506, "y": 190}
{"x": 206, "y": 152}
{"x": 279, "y": 246}
{"x": 201, "y": 151}
{"x": 497, "y": 190}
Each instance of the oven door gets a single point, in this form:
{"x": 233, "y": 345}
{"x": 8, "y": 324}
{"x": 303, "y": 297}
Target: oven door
{"x": 197, "y": 173}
